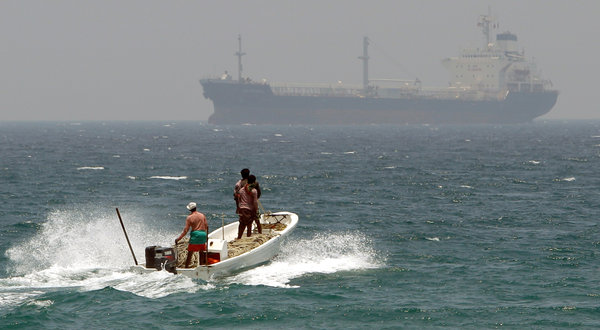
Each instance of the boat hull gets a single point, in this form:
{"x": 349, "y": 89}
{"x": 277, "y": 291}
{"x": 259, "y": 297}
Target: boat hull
{"x": 238, "y": 103}
{"x": 260, "y": 255}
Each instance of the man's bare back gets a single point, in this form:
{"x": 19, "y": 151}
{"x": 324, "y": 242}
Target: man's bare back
{"x": 196, "y": 221}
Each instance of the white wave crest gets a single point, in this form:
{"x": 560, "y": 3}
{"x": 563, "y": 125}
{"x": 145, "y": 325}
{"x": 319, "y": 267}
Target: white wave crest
{"x": 168, "y": 177}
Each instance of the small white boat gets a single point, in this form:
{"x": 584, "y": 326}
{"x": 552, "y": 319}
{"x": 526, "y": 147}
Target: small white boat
{"x": 276, "y": 225}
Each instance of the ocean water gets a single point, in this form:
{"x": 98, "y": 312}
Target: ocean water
{"x": 400, "y": 226}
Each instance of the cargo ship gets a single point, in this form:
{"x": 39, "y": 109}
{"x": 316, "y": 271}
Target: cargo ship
{"x": 494, "y": 84}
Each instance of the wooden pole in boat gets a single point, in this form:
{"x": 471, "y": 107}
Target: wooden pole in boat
{"x": 223, "y": 225}
{"x": 260, "y": 207}
{"x": 206, "y": 256}
{"x": 126, "y": 237}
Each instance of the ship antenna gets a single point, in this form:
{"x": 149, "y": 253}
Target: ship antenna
{"x": 365, "y": 59}
{"x": 239, "y": 55}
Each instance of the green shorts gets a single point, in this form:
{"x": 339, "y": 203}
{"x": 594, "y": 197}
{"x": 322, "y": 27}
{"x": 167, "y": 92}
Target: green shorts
{"x": 198, "y": 237}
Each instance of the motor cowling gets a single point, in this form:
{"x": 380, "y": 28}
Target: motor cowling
{"x": 161, "y": 258}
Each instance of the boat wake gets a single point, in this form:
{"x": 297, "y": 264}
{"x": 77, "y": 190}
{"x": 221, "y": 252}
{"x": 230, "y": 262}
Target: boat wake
{"x": 323, "y": 254}
{"x": 85, "y": 250}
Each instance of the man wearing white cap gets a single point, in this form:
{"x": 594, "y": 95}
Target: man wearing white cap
{"x": 198, "y": 237}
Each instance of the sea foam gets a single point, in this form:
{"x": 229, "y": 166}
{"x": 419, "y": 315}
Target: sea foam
{"x": 87, "y": 250}
{"x": 322, "y": 254}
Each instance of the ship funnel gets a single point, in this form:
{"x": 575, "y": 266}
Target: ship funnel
{"x": 507, "y": 41}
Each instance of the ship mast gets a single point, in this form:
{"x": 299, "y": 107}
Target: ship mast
{"x": 239, "y": 55}
{"x": 365, "y": 59}
{"x": 484, "y": 22}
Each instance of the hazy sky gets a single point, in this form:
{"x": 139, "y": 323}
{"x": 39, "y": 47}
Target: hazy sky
{"x": 142, "y": 59}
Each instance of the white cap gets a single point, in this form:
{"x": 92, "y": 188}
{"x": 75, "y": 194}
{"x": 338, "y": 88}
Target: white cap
{"x": 191, "y": 206}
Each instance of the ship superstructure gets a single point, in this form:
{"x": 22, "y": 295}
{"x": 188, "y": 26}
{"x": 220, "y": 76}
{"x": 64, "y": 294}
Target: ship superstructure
{"x": 497, "y": 66}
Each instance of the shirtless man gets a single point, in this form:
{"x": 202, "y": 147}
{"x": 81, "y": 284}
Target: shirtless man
{"x": 198, "y": 236}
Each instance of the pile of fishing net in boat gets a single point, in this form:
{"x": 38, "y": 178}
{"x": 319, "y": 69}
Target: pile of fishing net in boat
{"x": 182, "y": 252}
{"x": 234, "y": 248}
{"x": 245, "y": 244}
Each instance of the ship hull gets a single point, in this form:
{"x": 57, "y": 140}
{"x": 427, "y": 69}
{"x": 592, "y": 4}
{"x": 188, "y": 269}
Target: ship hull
{"x": 239, "y": 103}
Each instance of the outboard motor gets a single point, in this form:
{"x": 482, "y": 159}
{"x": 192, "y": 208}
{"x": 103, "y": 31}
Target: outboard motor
{"x": 161, "y": 258}
{"x": 150, "y": 253}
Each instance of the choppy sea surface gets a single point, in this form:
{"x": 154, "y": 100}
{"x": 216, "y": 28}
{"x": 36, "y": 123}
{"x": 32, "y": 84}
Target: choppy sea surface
{"x": 400, "y": 226}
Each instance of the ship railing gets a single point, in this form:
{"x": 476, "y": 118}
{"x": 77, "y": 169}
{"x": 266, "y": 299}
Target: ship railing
{"x": 299, "y": 89}
{"x": 396, "y": 83}
{"x": 447, "y": 93}
{"x": 529, "y": 86}
{"x": 225, "y": 79}
{"x": 467, "y": 94}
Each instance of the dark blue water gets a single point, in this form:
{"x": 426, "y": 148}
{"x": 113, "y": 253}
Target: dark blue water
{"x": 400, "y": 226}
